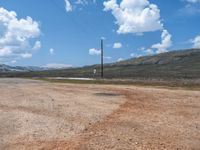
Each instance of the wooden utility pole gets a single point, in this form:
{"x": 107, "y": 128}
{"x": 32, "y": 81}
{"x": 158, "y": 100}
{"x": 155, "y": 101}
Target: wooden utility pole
{"x": 102, "y": 73}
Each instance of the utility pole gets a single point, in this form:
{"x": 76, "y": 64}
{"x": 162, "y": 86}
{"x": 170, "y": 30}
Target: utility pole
{"x": 101, "y": 57}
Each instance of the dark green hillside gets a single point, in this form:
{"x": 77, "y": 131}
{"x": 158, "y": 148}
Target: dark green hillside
{"x": 182, "y": 64}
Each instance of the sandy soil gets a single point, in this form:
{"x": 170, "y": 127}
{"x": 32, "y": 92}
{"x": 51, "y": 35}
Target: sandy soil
{"x": 42, "y": 115}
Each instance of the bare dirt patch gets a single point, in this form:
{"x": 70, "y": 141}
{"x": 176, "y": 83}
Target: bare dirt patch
{"x": 42, "y": 115}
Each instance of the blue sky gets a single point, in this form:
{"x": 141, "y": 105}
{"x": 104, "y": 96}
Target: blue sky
{"x": 68, "y": 32}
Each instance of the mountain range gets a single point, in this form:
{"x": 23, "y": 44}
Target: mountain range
{"x": 5, "y": 68}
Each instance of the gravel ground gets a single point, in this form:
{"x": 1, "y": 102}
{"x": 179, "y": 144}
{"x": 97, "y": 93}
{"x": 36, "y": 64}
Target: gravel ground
{"x": 43, "y": 115}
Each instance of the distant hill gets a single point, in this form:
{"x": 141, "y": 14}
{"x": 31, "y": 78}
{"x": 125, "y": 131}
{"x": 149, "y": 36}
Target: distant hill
{"x": 7, "y": 69}
{"x": 181, "y": 64}
{"x": 172, "y": 57}
{"x": 174, "y": 64}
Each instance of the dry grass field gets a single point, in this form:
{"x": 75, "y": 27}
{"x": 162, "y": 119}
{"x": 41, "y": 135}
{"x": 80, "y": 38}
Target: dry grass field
{"x": 43, "y": 115}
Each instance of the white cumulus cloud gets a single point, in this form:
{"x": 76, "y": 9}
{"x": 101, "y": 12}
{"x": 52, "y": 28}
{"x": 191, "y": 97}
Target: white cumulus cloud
{"x": 94, "y": 51}
{"x": 149, "y": 51}
{"x": 71, "y": 5}
{"x": 134, "y": 55}
{"x": 51, "y": 51}
{"x": 117, "y": 45}
{"x": 165, "y": 43}
{"x": 135, "y": 16}
{"x": 37, "y": 45}
{"x": 120, "y": 59}
{"x": 68, "y": 6}
{"x": 26, "y": 55}
{"x": 196, "y": 42}
{"x": 16, "y": 36}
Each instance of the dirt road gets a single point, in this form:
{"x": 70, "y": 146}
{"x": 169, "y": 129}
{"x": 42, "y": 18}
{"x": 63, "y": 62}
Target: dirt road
{"x": 43, "y": 115}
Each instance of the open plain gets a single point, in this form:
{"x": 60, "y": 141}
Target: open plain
{"x": 44, "y": 115}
